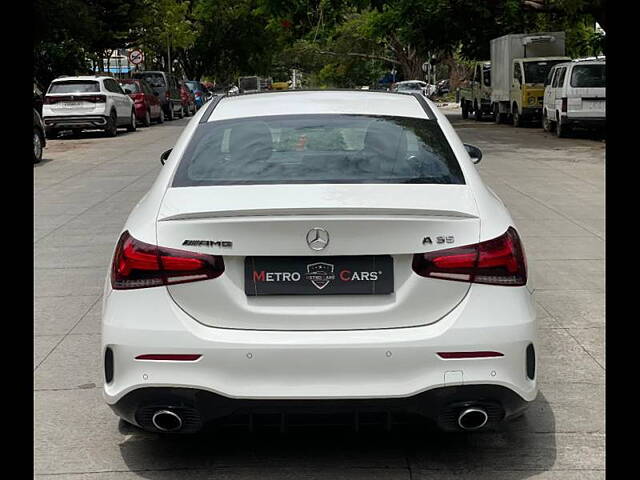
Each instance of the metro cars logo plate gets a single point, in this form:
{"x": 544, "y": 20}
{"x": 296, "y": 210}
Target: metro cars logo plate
{"x": 355, "y": 275}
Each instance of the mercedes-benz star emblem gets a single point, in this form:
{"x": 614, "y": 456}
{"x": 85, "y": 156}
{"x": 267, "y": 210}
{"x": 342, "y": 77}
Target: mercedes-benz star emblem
{"x": 317, "y": 238}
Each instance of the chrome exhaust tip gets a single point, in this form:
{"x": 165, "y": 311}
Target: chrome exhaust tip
{"x": 472, "y": 418}
{"x": 166, "y": 421}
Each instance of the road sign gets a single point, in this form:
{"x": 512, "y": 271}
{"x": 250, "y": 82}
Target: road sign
{"x": 136, "y": 57}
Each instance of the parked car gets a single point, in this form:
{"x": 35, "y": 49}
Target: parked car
{"x": 198, "y": 91}
{"x": 188, "y": 100}
{"x": 147, "y": 104}
{"x": 39, "y": 140}
{"x": 87, "y": 102}
{"x": 575, "y": 96}
{"x": 475, "y": 94}
{"x": 166, "y": 86}
{"x": 387, "y": 276}
{"x": 442, "y": 87}
{"x": 410, "y": 86}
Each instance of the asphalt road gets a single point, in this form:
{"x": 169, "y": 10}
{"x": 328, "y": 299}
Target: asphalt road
{"x": 554, "y": 188}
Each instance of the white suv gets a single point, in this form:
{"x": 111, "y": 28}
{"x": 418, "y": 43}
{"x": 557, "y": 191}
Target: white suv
{"x": 87, "y": 102}
{"x": 575, "y": 95}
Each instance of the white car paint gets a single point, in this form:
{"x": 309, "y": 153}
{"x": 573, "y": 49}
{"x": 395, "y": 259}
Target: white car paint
{"x": 308, "y": 346}
{"x": 116, "y": 100}
{"x": 583, "y": 104}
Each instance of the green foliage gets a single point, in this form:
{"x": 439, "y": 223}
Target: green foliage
{"x": 52, "y": 59}
{"x": 165, "y": 24}
{"x": 341, "y": 43}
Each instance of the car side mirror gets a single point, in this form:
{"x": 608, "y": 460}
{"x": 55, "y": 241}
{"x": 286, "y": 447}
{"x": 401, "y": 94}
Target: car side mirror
{"x": 165, "y": 155}
{"x": 474, "y": 152}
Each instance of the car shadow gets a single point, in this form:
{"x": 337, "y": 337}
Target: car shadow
{"x": 42, "y": 162}
{"x": 89, "y": 134}
{"x": 522, "y": 447}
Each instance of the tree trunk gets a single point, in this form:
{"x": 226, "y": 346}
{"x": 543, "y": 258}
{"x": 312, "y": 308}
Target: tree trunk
{"x": 407, "y": 56}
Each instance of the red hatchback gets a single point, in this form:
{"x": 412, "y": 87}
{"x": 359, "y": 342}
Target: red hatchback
{"x": 147, "y": 104}
{"x": 188, "y": 100}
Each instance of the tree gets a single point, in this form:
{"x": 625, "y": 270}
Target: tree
{"x": 63, "y": 30}
{"x": 572, "y": 8}
{"x": 165, "y": 26}
{"x": 116, "y": 23}
{"x": 233, "y": 39}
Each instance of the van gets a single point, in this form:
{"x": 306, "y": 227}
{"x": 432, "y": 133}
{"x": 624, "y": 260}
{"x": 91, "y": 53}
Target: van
{"x": 165, "y": 87}
{"x": 575, "y": 96}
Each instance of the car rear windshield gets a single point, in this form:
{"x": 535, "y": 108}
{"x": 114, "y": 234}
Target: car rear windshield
{"x": 130, "y": 88}
{"x": 74, "y": 86}
{"x": 193, "y": 86}
{"x": 327, "y": 148}
{"x": 410, "y": 86}
{"x": 586, "y": 76}
{"x": 153, "y": 79}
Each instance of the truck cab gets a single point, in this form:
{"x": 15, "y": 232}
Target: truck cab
{"x": 527, "y": 87}
{"x": 476, "y": 97}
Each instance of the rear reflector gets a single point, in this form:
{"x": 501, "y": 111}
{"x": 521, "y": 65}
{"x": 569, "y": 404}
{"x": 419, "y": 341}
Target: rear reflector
{"x": 448, "y": 355}
{"x": 170, "y": 356}
{"x": 531, "y": 361}
{"x": 139, "y": 265}
{"x": 500, "y": 261}
{"x": 108, "y": 365}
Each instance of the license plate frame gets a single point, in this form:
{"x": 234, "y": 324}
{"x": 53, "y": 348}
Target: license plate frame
{"x": 335, "y": 275}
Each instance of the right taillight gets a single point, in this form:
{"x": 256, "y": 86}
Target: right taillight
{"x": 140, "y": 265}
{"x": 564, "y": 104}
{"x": 500, "y": 261}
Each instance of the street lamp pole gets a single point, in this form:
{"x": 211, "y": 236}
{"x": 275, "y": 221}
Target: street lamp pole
{"x": 169, "y": 52}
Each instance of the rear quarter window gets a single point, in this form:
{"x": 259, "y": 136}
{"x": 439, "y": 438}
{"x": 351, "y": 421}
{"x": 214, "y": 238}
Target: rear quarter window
{"x": 320, "y": 149}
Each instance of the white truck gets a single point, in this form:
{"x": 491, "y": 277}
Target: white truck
{"x": 519, "y": 66}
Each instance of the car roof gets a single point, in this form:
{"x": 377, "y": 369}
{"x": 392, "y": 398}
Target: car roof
{"x": 544, "y": 59}
{"x": 309, "y": 102}
{"x": 81, "y": 77}
{"x": 589, "y": 62}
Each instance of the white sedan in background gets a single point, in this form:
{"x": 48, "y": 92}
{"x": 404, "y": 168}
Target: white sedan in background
{"x": 334, "y": 249}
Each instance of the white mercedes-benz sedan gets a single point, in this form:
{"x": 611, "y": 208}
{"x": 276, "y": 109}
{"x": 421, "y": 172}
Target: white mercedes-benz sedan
{"x": 330, "y": 249}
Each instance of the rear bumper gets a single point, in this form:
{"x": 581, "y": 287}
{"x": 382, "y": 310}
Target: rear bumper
{"x": 532, "y": 112}
{"x": 198, "y": 408}
{"x": 89, "y": 121}
{"x": 141, "y": 111}
{"x": 593, "y": 122}
{"x": 321, "y": 365}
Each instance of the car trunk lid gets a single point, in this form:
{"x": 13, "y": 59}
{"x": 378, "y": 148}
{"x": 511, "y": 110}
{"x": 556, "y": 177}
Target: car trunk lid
{"x": 256, "y": 221}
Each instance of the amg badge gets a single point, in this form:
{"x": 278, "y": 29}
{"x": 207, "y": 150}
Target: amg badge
{"x": 208, "y": 243}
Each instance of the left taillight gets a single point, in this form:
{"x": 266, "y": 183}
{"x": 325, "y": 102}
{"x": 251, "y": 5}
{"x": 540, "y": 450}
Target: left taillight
{"x": 499, "y": 261}
{"x": 140, "y": 265}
